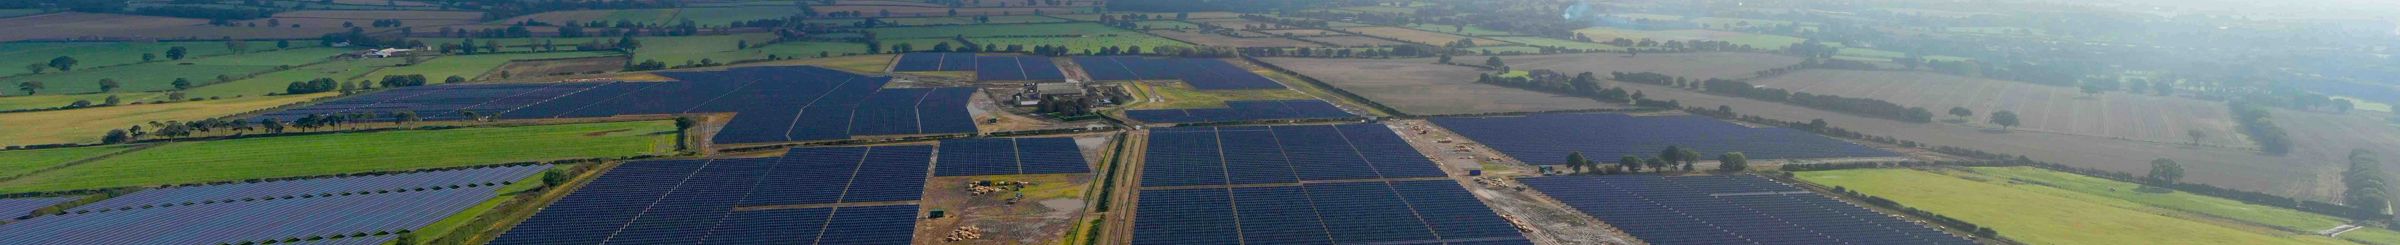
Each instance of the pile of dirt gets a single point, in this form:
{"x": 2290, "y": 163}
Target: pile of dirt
{"x": 964, "y": 233}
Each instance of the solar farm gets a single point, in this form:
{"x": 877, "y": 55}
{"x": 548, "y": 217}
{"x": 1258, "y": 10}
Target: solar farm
{"x": 1398, "y": 212}
{"x": 1729, "y": 209}
{"x": 1543, "y": 138}
{"x": 1236, "y": 111}
{"x": 832, "y": 195}
{"x": 1203, "y": 74}
{"x": 1003, "y": 156}
{"x": 986, "y": 68}
{"x": 335, "y": 210}
{"x": 1205, "y": 156}
{"x": 771, "y": 104}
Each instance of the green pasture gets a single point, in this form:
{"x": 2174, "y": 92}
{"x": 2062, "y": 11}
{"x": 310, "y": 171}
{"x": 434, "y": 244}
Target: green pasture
{"x": 285, "y": 156}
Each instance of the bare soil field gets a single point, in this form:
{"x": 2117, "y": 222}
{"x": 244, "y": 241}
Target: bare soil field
{"x": 2303, "y": 174}
{"x": 1353, "y": 41}
{"x": 1420, "y": 87}
{"x": 1697, "y": 66}
{"x": 1420, "y": 36}
{"x": 1225, "y": 41}
{"x": 2042, "y": 108}
{"x": 1050, "y": 206}
{"x": 2332, "y": 136}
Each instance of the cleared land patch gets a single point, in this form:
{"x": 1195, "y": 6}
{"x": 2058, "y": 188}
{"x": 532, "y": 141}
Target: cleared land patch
{"x": 265, "y": 157}
{"x": 1694, "y": 66}
{"x": 2034, "y": 213}
{"x": 1422, "y": 88}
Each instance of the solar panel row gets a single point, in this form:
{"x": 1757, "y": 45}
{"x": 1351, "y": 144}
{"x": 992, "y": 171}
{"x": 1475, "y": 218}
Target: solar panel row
{"x": 1697, "y": 210}
{"x": 1203, "y": 74}
{"x": 259, "y": 221}
{"x": 1408, "y": 212}
{"x": 1016, "y": 68}
{"x": 1245, "y": 111}
{"x": 935, "y": 62}
{"x": 771, "y": 104}
{"x": 1002, "y": 156}
{"x": 668, "y": 201}
{"x": 190, "y": 195}
{"x": 1549, "y": 138}
{"x": 20, "y": 207}
{"x": 1279, "y": 154}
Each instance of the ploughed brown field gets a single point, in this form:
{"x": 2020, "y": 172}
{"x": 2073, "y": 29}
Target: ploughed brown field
{"x": 1420, "y": 87}
{"x": 2040, "y": 108}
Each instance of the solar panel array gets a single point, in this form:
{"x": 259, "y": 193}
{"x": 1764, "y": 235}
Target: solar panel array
{"x": 257, "y": 221}
{"x": 771, "y": 104}
{"x": 1016, "y": 68}
{"x": 1002, "y": 156}
{"x": 20, "y": 207}
{"x": 683, "y": 201}
{"x": 1549, "y": 138}
{"x": 935, "y": 62}
{"x": 1279, "y": 154}
{"x": 1235, "y": 111}
{"x": 238, "y": 192}
{"x": 1735, "y": 209}
{"x": 1203, "y": 74}
{"x": 1408, "y": 212}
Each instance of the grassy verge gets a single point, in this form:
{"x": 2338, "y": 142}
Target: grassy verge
{"x": 267, "y": 157}
{"x": 2042, "y": 214}
{"x": 1177, "y": 95}
{"x": 449, "y": 226}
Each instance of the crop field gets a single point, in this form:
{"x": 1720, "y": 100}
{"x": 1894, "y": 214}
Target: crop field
{"x": 1165, "y": 25}
{"x": 2042, "y": 108}
{"x": 1210, "y": 39}
{"x": 158, "y": 76}
{"x": 1353, "y": 41}
{"x": 953, "y": 20}
{"x": 276, "y": 82}
{"x": 87, "y": 125}
{"x": 2039, "y": 207}
{"x": 1559, "y": 43}
{"x": 1696, "y": 66}
{"x": 1419, "y": 87}
{"x": 1759, "y": 41}
{"x": 16, "y": 162}
{"x": 1074, "y": 44}
{"x": 89, "y": 55}
{"x": 1302, "y": 32}
{"x": 1420, "y": 37}
{"x": 1469, "y": 30}
{"x": 225, "y": 160}
{"x": 471, "y": 67}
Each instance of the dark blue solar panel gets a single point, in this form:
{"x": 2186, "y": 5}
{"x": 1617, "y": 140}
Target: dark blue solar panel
{"x": 1459, "y": 214}
{"x": 945, "y": 111}
{"x": 959, "y": 62}
{"x": 807, "y": 175}
{"x": 697, "y": 202}
{"x": 892, "y": 111}
{"x": 1392, "y": 156}
{"x": 891, "y": 173}
{"x": 1204, "y": 74}
{"x": 1318, "y": 152}
{"x": 1546, "y": 138}
{"x": 609, "y": 201}
{"x": 963, "y": 157}
{"x": 1250, "y": 161}
{"x": 1729, "y": 209}
{"x": 1188, "y": 216}
{"x": 1051, "y": 155}
{"x": 24, "y": 206}
{"x": 998, "y": 68}
{"x": 241, "y": 222}
{"x": 919, "y": 62}
{"x": 1040, "y": 68}
{"x": 1183, "y": 158}
{"x": 871, "y": 225}
{"x": 777, "y": 226}
{"x": 1279, "y": 215}
{"x": 1369, "y": 212}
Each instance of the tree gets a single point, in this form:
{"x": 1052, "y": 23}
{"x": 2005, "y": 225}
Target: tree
{"x": 1445, "y": 59}
{"x": 35, "y": 68}
{"x": 1494, "y": 62}
{"x": 147, "y": 57}
{"x": 1689, "y": 157}
{"x": 683, "y": 126}
{"x": 2196, "y": 135}
{"x": 1733, "y": 162}
{"x": 1576, "y": 162}
{"x": 2365, "y": 186}
{"x": 270, "y": 124}
{"x": 1961, "y": 112}
{"x": 283, "y": 44}
{"x": 175, "y": 53}
{"x": 63, "y": 63}
{"x": 181, "y": 83}
{"x": 2091, "y": 89}
{"x": 1672, "y": 154}
{"x": 454, "y": 79}
{"x": 2165, "y": 171}
{"x": 30, "y": 87}
{"x": 108, "y": 84}
{"x": 554, "y": 177}
{"x": 116, "y": 136}
{"x": 2005, "y": 119}
{"x": 1630, "y": 163}
{"x": 1655, "y": 164}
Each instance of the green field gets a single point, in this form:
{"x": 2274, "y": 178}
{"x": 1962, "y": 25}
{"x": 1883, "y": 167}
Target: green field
{"x": 1075, "y": 44}
{"x": 437, "y": 70}
{"x": 5, "y": 13}
{"x": 14, "y": 56}
{"x": 275, "y": 82}
{"x": 1023, "y": 30}
{"x": 266, "y": 157}
{"x": 1760, "y": 41}
{"x": 1471, "y": 30}
{"x": 2041, "y": 207}
{"x": 677, "y": 51}
{"x": 1165, "y": 25}
{"x": 88, "y": 124}
{"x": 1554, "y": 42}
{"x": 159, "y": 76}
{"x": 1505, "y": 49}
{"x": 13, "y": 163}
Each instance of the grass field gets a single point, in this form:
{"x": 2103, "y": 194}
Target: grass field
{"x": 1165, "y": 24}
{"x": 15, "y": 56}
{"x": 1180, "y": 96}
{"x": 785, "y": 50}
{"x": 1759, "y": 41}
{"x": 265, "y": 157}
{"x": 1420, "y": 37}
{"x": 1420, "y": 87}
{"x": 275, "y": 82}
{"x": 470, "y": 66}
{"x": 87, "y": 125}
{"x": 158, "y": 76}
{"x": 13, "y": 163}
{"x": 1470, "y": 30}
{"x": 973, "y": 31}
{"x": 2022, "y": 205}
